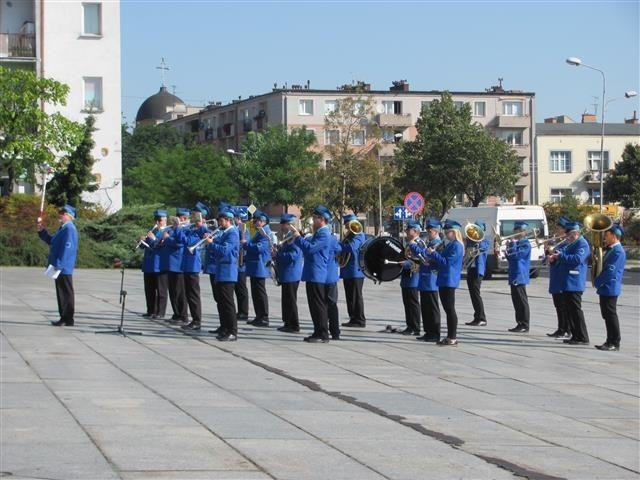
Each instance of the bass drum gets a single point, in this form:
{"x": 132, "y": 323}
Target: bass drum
{"x": 378, "y": 258}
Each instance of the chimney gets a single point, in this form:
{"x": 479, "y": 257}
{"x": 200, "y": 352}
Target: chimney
{"x": 588, "y": 118}
{"x": 399, "y": 86}
{"x": 633, "y": 120}
{"x": 551, "y": 120}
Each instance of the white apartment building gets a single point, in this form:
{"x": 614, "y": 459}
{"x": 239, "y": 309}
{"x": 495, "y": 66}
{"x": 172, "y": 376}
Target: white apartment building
{"x": 568, "y": 156}
{"x": 76, "y": 43}
{"x": 507, "y": 114}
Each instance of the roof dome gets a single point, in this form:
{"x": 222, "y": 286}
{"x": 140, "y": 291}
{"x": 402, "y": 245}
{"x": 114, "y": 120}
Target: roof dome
{"x": 157, "y": 106}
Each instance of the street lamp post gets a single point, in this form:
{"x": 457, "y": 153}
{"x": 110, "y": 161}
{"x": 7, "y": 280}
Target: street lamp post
{"x": 578, "y": 63}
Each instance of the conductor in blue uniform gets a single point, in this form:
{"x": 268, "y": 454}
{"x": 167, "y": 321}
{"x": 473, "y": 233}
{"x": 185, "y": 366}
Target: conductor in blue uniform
{"x": 63, "y": 250}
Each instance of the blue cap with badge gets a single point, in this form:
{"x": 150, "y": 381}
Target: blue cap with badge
{"x": 452, "y": 225}
{"x": 520, "y": 225}
{"x": 160, "y": 213}
{"x": 433, "y": 223}
{"x": 562, "y": 221}
{"x": 349, "y": 218}
{"x": 182, "y": 212}
{"x": 225, "y": 213}
{"x": 572, "y": 226}
{"x": 287, "y": 218}
{"x": 260, "y": 215}
{"x": 617, "y": 229}
{"x": 322, "y": 211}
{"x": 414, "y": 225}
{"x": 69, "y": 209}
{"x": 203, "y": 208}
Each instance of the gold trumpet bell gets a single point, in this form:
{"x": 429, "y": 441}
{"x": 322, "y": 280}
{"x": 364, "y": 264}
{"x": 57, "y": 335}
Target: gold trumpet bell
{"x": 598, "y": 222}
{"x": 473, "y": 232}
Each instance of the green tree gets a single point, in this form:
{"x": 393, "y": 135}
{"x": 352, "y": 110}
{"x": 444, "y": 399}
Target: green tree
{"x": 277, "y": 166}
{"x": 30, "y": 137}
{"x": 137, "y": 145}
{"x": 74, "y": 174}
{"x": 623, "y": 183}
{"x": 179, "y": 175}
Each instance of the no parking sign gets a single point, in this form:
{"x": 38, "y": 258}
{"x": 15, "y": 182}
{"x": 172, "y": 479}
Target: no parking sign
{"x": 414, "y": 202}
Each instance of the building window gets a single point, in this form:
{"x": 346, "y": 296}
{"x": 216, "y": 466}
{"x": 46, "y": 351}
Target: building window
{"x": 479, "y": 109}
{"x": 393, "y": 107}
{"x": 560, "y": 162}
{"x": 93, "y": 94}
{"x": 305, "y": 107}
{"x": 388, "y": 135}
{"x": 358, "y": 137}
{"x": 91, "y": 19}
{"x": 512, "y": 108}
{"x": 593, "y": 161}
{"x": 331, "y": 137}
{"x": 557, "y": 194}
{"x": 458, "y": 105}
{"x": 594, "y": 195}
{"x": 330, "y": 106}
{"x": 512, "y": 137}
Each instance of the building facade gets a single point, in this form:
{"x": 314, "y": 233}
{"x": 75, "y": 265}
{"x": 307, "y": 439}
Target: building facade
{"x": 568, "y": 156}
{"x": 506, "y": 114}
{"x": 76, "y": 43}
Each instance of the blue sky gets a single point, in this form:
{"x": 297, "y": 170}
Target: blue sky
{"x": 219, "y": 50}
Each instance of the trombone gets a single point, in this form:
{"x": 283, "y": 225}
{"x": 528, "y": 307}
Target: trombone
{"x": 529, "y": 234}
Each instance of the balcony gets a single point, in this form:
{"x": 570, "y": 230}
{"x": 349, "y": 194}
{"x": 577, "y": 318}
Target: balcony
{"x": 394, "y": 120}
{"x": 522, "y": 150}
{"x": 593, "y": 176}
{"x": 513, "y": 121}
{"x": 17, "y": 45}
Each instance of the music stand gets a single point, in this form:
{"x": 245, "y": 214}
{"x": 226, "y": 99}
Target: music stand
{"x": 123, "y": 298}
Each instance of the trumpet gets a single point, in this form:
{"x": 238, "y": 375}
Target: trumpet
{"x": 552, "y": 243}
{"x": 204, "y": 238}
{"x": 144, "y": 244}
{"x": 529, "y": 234}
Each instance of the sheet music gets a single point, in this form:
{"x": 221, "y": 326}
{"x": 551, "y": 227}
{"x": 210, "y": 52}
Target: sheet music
{"x": 51, "y": 272}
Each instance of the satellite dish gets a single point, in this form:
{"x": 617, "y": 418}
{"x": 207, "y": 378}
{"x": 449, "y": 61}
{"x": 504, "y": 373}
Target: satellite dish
{"x": 584, "y": 196}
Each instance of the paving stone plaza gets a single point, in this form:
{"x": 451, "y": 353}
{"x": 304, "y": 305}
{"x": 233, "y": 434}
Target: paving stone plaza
{"x": 166, "y": 405}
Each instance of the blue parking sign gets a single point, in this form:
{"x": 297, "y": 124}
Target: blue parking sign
{"x": 401, "y": 213}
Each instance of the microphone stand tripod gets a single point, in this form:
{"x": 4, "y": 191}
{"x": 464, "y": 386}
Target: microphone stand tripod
{"x": 123, "y": 298}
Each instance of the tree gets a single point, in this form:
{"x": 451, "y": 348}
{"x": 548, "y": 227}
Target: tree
{"x": 74, "y": 174}
{"x": 623, "y": 183}
{"x": 30, "y": 137}
{"x": 138, "y": 145}
{"x": 277, "y": 166}
{"x": 179, "y": 175}
{"x": 452, "y": 155}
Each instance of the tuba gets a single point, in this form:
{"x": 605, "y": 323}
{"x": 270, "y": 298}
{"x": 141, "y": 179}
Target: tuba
{"x": 475, "y": 233}
{"x": 597, "y": 224}
{"x": 354, "y": 227}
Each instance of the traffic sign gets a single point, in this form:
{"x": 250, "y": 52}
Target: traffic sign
{"x": 414, "y": 202}
{"x": 401, "y": 213}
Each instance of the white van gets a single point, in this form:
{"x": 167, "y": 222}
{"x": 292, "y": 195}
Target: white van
{"x": 500, "y": 219}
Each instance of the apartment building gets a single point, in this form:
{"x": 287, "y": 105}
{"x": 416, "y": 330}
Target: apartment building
{"x": 76, "y": 43}
{"x": 568, "y": 156}
{"x": 507, "y": 114}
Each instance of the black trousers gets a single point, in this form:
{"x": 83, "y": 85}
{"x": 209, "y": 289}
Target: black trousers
{"x": 333, "y": 316}
{"x": 520, "y": 304}
{"x": 290, "y": 304}
{"x": 573, "y": 305}
{"x": 242, "y": 295}
{"x": 411, "y": 302}
{"x": 163, "y": 295}
{"x": 66, "y": 297}
{"x": 354, "y": 300}
{"x": 192, "y": 292}
{"x": 430, "y": 309}
{"x": 474, "y": 281}
{"x": 226, "y": 307}
{"x": 608, "y": 309}
{"x": 259, "y": 298}
{"x": 561, "y": 312}
{"x": 176, "y": 296}
{"x": 317, "y": 298}
{"x": 448, "y": 299}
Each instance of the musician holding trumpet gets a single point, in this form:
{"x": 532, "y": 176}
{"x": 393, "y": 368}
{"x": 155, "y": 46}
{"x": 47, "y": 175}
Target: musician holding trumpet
{"x": 409, "y": 283}
{"x": 155, "y": 283}
{"x": 555, "y": 243}
{"x": 257, "y": 254}
{"x": 288, "y": 262}
{"x": 519, "y": 259}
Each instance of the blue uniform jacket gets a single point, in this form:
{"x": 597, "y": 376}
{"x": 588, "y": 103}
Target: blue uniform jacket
{"x": 428, "y": 274}
{"x": 209, "y": 260}
{"x": 351, "y": 245}
{"x": 316, "y": 251}
{"x": 171, "y": 251}
{"x": 333, "y": 269}
{"x": 151, "y": 254}
{"x": 192, "y": 262}
{"x": 449, "y": 264}
{"x": 519, "y": 260}
{"x": 555, "y": 275}
{"x": 63, "y": 247}
{"x": 573, "y": 265}
{"x": 609, "y": 282}
{"x": 480, "y": 262}
{"x": 409, "y": 279}
{"x": 289, "y": 262}
{"x": 225, "y": 252}
{"x": 257, "y": 252}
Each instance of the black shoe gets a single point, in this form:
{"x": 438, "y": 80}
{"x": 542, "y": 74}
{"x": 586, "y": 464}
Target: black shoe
{"x": 608, "y": 347}
{"x": 227, "y": 338}
{"x": 555, "y": 334}
{"x": 477, "y": 323}
{"x": 159, "y": 317}
{"x": 448, "y": 342}
{"x": 409, "y": 331}
{"x": 217, "y": 331}
{"x": 312, "y": 339}
{"x": 571, "y": 341}
{"x": 353, "y": 325}
{"x": 288, "y": 329}
{"x": 260, "y": 323}
{"x": 241, "y": 317}
{"x": 192, "y": 326}
{"x": 146, "y": 315}
{"x": 335, "y": 337}
{"x": 564, "y": 336}
{"x": 519, "y": 329}
{"x": 177, "y": 321}
{"x": 62, "y": 323}
{"x": 428, "y": 338}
